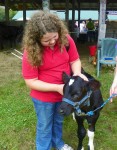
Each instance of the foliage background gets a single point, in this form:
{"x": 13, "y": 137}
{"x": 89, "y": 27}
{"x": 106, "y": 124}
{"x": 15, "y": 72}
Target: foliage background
{"x": 2, "y": 14}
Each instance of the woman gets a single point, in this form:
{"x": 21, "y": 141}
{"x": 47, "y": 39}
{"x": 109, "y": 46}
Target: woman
{"x": 44, "y": 60}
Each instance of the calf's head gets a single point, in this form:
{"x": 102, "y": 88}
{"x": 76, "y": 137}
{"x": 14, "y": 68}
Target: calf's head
{"x": 74, "y": 89}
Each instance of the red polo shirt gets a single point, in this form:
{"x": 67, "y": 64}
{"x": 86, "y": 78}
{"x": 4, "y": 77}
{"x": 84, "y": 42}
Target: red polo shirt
{"x": 54, "y": 63}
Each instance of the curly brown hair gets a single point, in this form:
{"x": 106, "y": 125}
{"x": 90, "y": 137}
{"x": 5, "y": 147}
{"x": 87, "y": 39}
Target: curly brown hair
{"x": 40, "y": 24}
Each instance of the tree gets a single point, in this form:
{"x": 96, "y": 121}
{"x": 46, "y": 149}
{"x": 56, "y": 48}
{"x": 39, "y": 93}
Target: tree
{"x": 12, "y": 14}
{"x": 2, "y": 14}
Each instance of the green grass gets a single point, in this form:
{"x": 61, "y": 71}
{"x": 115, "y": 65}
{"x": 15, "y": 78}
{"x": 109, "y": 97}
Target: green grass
{"x": 17, "y": 116}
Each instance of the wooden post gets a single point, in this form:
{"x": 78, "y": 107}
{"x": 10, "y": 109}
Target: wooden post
{"x": 46, "y": 5}
{"x": 102, "y": 17}
{"x": 73, "y": 14}
{"x": 79, "y": 14}
{"x": 6, "y": 11}
{"x": 67, "y": 12}
{"x": 102, "y": 11}
{"x": 24, "y": 12}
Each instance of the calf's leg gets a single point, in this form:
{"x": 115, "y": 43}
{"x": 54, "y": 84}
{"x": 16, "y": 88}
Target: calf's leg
{"x": 81, "y": 132}
{"x": 91, "y": 138}
{"x": 91, "y": 121}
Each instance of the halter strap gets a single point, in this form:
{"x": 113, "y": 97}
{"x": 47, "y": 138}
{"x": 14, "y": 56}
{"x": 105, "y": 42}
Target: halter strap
{"x": 77, "y": 104}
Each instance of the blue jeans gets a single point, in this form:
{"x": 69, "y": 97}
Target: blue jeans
{"x": 49, "y": 125}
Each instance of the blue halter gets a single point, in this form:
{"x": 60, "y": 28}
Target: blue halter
{"x": 77, "y": 104}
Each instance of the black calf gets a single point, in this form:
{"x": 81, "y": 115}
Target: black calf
{"x": 83, "y": 98}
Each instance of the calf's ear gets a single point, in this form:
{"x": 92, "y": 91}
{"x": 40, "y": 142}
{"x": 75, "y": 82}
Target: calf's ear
{"x": 94, "y": 85}
{"x": 65, "y": 77}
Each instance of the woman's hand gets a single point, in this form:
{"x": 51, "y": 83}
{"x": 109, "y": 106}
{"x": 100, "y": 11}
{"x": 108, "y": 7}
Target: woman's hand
{"x": 113, "y": 90}
{"x": 60, "y": 88}
{"x": 83, "y": 77}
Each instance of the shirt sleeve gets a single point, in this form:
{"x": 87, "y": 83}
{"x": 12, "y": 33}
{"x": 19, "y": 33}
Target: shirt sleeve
{"x": 28, "y": 71}
{"x": 73, "y": 52}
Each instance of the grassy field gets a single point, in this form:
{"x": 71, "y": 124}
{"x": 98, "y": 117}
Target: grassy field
{"x": 17, "y": 116}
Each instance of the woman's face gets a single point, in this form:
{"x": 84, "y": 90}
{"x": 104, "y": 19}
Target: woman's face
{"x": 49, "y": 39}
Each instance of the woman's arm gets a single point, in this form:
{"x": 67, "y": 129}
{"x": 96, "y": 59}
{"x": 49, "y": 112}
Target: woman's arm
{"x": 44, "y": 86}
{"x": 113, "y": 88}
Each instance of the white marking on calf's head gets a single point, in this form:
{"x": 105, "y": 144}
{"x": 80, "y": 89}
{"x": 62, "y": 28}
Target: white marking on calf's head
{"x": 71, "y": 82}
